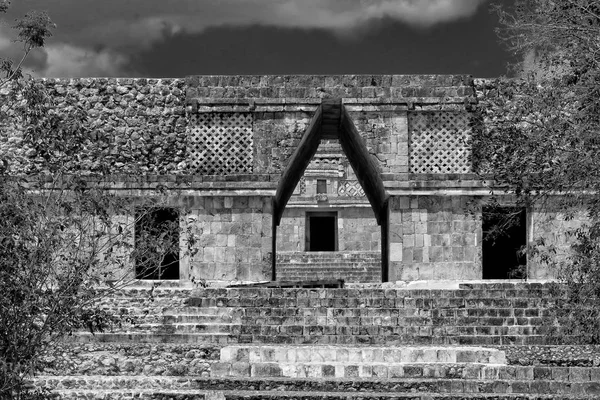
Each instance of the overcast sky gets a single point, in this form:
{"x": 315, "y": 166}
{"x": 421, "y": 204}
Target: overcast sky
{"x": 175, "y": 38}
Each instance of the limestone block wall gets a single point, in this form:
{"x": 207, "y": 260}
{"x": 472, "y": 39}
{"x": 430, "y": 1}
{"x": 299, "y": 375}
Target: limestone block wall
{"x": 414, "y": 88}
{"x": 150, "y": 126}
{"x": 277, "y": 135}
{"x": 357, "y": 229}
{"x": 282, "y": 106}
{"x": 386, "y": 138}
{"x": 433, "y": 237}
{"x": 233, "y": 236}
{"x": 153, "y": 132}
{"x": 291, "y": 231}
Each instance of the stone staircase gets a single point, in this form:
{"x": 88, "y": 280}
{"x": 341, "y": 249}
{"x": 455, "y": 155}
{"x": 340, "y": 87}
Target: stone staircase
{"x": 352, "y": 266}
{"x": 480, "y": 341}
{"x": 350, "y": 362}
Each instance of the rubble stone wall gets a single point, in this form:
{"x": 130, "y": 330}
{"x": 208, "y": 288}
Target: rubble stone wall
{"x": 137, "y": 125}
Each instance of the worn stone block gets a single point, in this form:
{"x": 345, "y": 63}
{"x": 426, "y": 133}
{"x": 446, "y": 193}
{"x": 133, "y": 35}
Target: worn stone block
{"x": 266, "y": 370}
{"x": 579, "y": 374}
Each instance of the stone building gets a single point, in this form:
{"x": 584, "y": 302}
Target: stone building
{"x": 362, "y": 178}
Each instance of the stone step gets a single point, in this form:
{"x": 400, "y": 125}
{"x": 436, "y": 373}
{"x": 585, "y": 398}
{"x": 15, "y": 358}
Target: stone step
{"x": 339, "y": 386}
{"x": 325, "y": 257}
{"x": 315, "y": 271}
{"x": 331, "y": 260}
{"x": 272, "y": 335}
{"x": 267, "y": 336}
{"x": 133, "y": 358}
{"x": 203, "y": 311}
{"x": 517, "y": 295}
{"x": 460, "y": 315}
{"x": 195, "y": 318}
{"x": 208, "y": 328}
{"x": 384, "y": 332}
{"x": 117, "y": 394}
{"x": 479, "y": 303}
{"x": 509, "y": 325}
{"x": 351, "y": 371}
{"x": 139, "y": 337}
{"x": 268, "y": 395}
{"x": 311, "y": 326}
{"x": 417, "y": 371}
{"x": 292, "y": 256}
{"x": 328, "y": 269}
{"x": 254, "y": 395}
{"x": 361, "y": 355}
{"x": 376, "y": 260}
{"x": 319, "y": 265}
{"x": 331, "y": 274}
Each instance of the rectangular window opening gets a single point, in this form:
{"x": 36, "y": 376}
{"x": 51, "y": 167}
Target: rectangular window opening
{"x": 321, "y": 186}
{"x": 504, "y": 241}
{"x": 321, "y": 231}
{"x": 157, "y": 243}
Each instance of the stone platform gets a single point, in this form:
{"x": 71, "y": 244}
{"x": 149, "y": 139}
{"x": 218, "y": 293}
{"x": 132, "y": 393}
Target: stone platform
{"x": 475, "y": 341}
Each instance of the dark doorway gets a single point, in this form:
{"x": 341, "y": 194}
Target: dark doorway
{"x": 321, "y": 231}
{"x": 504, "y": 235}
{"x": 157, "y": 244}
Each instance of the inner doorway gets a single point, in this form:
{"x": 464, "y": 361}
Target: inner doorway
{"x": 504, "y": 236}
{"x": 321, "y": 231}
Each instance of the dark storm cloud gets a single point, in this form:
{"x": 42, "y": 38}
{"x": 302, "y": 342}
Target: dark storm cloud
{"x": 99, "y": 37}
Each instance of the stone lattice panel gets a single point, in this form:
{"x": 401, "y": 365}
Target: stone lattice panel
{"x": 350, "y": 189}
{"x": 300, "y": 187}
{"x": 439, "y": 142}
{"x": 221, "y": 143}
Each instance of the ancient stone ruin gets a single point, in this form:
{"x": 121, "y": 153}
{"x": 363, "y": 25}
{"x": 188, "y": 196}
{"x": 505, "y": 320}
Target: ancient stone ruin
{"x": 362, "y": 179}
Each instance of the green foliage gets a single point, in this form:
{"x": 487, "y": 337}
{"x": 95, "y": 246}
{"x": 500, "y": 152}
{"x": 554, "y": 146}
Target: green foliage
{"x": 63, "y": 236}
{"x": 34, "y": 29}
{"x": 59, "y": 242}
{"x": 537, "y": 138}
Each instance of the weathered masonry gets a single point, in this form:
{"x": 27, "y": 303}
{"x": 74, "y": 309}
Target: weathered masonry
{"x": 365, "y": 178}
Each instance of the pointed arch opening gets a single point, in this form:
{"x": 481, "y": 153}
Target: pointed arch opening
{"x": 332, "y": 121}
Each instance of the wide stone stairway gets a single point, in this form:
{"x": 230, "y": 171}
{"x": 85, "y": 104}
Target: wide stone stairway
{"x": 477, "y": 341}
{"x": 353, "y": 266}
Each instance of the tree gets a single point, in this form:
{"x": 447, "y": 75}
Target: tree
{"x": 63, "y": 234}
{"x": 537, "y": 137}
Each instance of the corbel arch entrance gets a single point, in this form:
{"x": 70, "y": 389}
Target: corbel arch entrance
{"x": 332, "y": 121}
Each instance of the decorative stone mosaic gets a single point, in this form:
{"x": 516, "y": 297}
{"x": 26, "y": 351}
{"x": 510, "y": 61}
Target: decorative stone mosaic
{"x": 350, "y": 189}
{"x": 300, "y": 187}
{"x": 221, "y": 143}
{"x": 439, "y": 142}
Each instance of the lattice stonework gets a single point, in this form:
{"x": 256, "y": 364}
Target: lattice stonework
{"x": 300, "y": 187}
{"x": 221, "y": 143}
{"x": 439, "y": 142}
{"x": 350, "y": 189}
